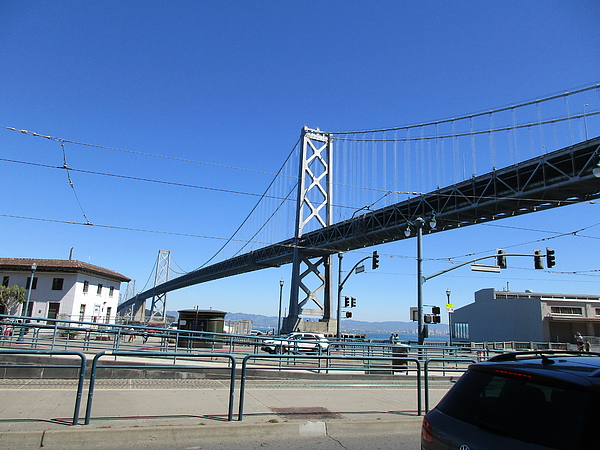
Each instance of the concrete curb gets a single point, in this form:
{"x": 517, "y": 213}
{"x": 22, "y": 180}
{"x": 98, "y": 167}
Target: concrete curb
{"x": 161, "y": 437}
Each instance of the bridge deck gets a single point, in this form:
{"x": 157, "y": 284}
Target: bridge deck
{"x": 556, "y": 179}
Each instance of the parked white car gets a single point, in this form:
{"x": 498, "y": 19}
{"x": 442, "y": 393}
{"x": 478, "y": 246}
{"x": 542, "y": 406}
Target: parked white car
{"x": 297, "y": 343}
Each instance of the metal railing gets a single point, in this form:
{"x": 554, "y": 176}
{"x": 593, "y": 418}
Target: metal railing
{"x": 94, "y": 337}
{"x": 81, "y": 369}
{"x": 310, "y": 363}
{"x": 329, "y": 367}
{"x": 94, "y": 370}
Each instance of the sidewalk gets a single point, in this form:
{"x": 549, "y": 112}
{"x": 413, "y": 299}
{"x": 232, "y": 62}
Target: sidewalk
{"x": 38, "y": 413}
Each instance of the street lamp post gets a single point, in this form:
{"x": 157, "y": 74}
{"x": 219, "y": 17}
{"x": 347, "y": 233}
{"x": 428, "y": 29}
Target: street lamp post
{"x": 448, "y": 292}
{"x": 339, "y": 299}
{"x": 419, "y": 223}
{"x": 25, "y": 311}
{"x": 281, "y": 282}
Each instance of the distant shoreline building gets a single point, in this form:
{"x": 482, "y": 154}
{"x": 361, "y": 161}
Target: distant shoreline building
{"x": 526, "y": 316}
{"x": 65, "y": 289}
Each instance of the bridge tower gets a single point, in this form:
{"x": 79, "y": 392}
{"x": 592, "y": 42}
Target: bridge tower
{"x": 312, "y": 273}
{"x": 159, "y": 301}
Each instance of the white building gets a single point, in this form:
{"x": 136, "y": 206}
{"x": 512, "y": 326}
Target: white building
{"x": 65, "y": 289}
{"x": 526, "y": 316}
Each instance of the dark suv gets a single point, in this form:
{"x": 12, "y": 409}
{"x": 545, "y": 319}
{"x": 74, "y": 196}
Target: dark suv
{"x": 521, "y": 400}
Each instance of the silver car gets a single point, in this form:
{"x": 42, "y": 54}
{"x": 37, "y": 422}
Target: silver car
{"x": 298, "y": 342}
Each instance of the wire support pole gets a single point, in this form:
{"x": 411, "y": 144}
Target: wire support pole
{"x": 419, "y": 223}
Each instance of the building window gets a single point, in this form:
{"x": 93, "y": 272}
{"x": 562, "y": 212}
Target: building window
{"x": 99, "y": 291}
{"x": 5, "y": 281}
{"x": 108, "y": 311}
{"x": 53, "y": 308}
{"x": 460, "y": 330}
{"x": 81, "y": 313}
{"x": 598, "y": 311}
{"x": 34, "y": 285}
{"x": 566, "y": 310}
{"x": 86, "y": 286}
{"x": 111, "y": 291}
{"x": 57, "y": 284}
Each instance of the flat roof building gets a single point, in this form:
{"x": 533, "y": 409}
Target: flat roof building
{"x": 526, "y": 316}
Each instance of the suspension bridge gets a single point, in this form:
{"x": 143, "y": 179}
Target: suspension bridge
{"x": 340, "y": 191}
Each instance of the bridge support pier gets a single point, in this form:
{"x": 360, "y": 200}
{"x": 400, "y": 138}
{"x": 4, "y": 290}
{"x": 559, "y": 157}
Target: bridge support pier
{"x": 312, "y": 276}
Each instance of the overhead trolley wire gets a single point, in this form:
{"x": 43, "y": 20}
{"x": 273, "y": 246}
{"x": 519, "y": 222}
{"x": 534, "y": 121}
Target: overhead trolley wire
{"x": 135, "y": 152}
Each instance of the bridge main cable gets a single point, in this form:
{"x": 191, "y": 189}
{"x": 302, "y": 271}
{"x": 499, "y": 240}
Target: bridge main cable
{"x": 559, "y": 178}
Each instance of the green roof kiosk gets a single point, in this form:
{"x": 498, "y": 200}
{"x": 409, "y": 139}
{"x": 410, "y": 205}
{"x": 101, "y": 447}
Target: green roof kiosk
{"x": 200, "y": 320}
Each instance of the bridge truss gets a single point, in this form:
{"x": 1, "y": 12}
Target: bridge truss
{"x": 559, "y": 178}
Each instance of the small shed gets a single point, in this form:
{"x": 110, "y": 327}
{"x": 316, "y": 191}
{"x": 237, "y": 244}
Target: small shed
{"x": 202, "y": 320}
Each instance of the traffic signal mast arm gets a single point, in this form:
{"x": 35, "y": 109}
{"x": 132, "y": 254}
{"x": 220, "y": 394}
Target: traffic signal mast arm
{"x": 353, "y": 268}
{"x": 425, "y": 278}
{"x": 351, "y": 271}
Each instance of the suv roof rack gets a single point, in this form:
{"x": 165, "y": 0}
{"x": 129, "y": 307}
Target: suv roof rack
{"x": 543, "y": 354}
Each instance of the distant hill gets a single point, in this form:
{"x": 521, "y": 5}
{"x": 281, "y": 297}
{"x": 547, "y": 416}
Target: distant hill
{"x": 348, "y": 325}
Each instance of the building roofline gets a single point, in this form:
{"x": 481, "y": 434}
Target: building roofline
{"x": 545, "y": 295}
{"x": 59, "y": 265}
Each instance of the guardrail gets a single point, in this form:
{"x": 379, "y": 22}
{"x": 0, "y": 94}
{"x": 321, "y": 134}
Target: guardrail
{"x": 94, "y": 337}
{"x": 324, "y": 363}
{"x": 522, "y": 345}
{"x": 81, "y": 376}
{"x": 329, "y": 366}
{"x": 94, "y": 370}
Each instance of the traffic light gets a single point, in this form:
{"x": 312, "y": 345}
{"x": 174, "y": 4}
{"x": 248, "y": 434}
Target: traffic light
{"x": 346, "y": 302}
{"x": 375, "y": 260}
{"x": 550, "y": 258}
{"x": 435, "y": 318}
{"x": 538, "y": 262}
{"x": 501, "y": 258}
{"x": 348, "y": 314}
{"x": 427, "y": 318}
{"x": 352, "y": 302}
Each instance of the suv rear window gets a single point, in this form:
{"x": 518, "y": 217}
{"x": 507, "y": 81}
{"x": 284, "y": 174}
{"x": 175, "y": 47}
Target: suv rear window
{"x": 540, "y": 411}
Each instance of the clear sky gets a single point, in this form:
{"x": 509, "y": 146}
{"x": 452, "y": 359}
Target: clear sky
{"x": 230, "y": 84}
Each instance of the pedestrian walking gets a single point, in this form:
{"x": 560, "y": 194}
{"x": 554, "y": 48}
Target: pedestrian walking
{"x": 579, "y": 341}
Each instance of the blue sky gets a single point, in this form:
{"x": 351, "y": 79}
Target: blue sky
{"x": 230, "y": 84}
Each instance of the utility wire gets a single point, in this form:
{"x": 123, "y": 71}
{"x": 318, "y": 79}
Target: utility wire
{"x": 53, "y": 138}
{"x": 264, "y": 195}
{"x": 126, "y": 177}
{"x": 573, "y": 233}
{"x": 253, "y": 209}
{"x": 115, "y": 227}
{"x": 66, "y": 167}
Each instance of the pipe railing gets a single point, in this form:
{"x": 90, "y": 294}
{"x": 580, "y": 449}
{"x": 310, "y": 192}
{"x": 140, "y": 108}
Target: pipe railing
{"x": 94, "y": 337}
{"x": 94, "y": 370}
{"x": 281, "y": 362}
{"x": 329, "y": 359}
{"x": 81, "y": 369}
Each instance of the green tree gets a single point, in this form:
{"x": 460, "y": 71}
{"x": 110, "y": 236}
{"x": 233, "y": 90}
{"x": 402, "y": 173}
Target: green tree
{"x": 11, "y": 298}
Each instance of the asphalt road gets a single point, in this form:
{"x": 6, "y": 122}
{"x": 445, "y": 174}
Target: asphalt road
{"x": 406, "y": 439}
